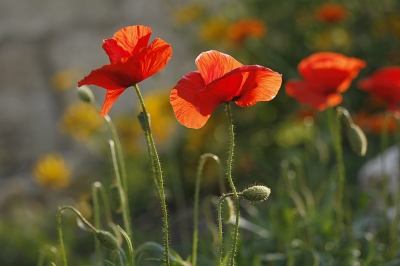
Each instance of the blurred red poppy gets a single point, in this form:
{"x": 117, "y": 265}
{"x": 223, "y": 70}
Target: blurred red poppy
{"x": 132, "y": 60}
{"x": 385, "y": 85}
{"x": 326, "y": 75}
{"x": 331, "y": 12}
{"x": 220, "y": 79}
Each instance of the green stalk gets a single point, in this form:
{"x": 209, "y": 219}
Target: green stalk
{"x": 220, "y": 249}
{"x": 60, "y": 234}
{"x": 334, "y": 125}
{"x": 384, "y": 144}
{"x": 125, "y": 214}
{"x": 229, "y": 176}
{"x": 96, "y": 214}
{"x": 157, "y": 163}
{"x": 202, "y": 161}
{"x": 122, "y": 171}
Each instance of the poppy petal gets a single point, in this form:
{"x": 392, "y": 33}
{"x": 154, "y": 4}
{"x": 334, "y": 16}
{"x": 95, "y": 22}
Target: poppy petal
{"x": 111, "y": 97}
{"x": 222, "y": 90}
{"x": 301, "y": 91}
{"x": 114, "y": 51}
{"x": 213, "y": 65}
{"x": 260, "y": 84}
{"x": 133, "y": 38}
{"x": 110, "y": 77}
{"x": 154, "y": 58}
{"x": 182, "y": 99}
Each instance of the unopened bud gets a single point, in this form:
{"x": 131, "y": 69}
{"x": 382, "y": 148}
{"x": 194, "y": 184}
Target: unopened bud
{"x": 228, "y": 209}
{"x": 85, "y": 94}
{"x": 345, "y": 116}
{"x": 357, "y": 140}
{"x": 116, "y": 198}
{"x": 143, "y": 121}
{"x": 256, "y": 193}
{"x": 107, "y": 240}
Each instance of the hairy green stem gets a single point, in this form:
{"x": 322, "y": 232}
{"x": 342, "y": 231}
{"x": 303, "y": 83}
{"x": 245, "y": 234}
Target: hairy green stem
{"x": 157, "y": 163}
{"x": 229, "y": 176}
{"x": 60, "y": 234}
{"x": 122, "y": 171}
{"x": 202, "y": 161}
{"x": 220, "y": 248}
{"x": 334, "y": 125}
{"x": 384, "y": 145}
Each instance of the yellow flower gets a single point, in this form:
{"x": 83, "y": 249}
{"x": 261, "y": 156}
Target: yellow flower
{"x": 52, "y": 171}
{"x": 244, "y": 28}
{"x": 188, "y": 13}
{"x": 65, "y": 79}
{"x": 214, "y": 30}
{"x": 81, "y": 121}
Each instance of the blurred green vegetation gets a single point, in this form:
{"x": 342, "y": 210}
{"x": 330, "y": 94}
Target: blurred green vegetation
{"x": 281, "y": 144}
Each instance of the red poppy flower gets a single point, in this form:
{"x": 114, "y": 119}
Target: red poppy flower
{"x": 132, "y": 60}
{"x": 326, "y": 75}
{"x": 331, "y": 12}
{"x": 384, "y": 84}
{"x": 220, "y": 79}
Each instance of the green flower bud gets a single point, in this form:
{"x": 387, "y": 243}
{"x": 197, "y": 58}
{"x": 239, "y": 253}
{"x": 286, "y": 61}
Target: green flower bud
{"x": 357, "y": 140}
{"x": 116, "y": 198}
{"x": 85, "y": 94}
{"x": 256, "y": 193}
{"x": 228, "y": 209}
{"x": 107, "y": 240}
{"x": 142, "y": 120}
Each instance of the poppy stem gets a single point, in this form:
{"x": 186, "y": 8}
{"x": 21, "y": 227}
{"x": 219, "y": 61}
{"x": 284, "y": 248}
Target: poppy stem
{"x": 229, "y": 176}
{"x": 157, "y": 163}
{"x": 220, "y": 248}
{"x": 202, "y": 161}
{"x": 334, "y": 125}
{"x": 384, "y": 145}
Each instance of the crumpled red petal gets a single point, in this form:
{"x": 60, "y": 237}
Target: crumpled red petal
{"x": 182, "y": 99}
{"x": 213, "y": 65}
{"x": 133, "y": 38}
{"x": 111, "y": 97}
{"x": 114, "y": 51}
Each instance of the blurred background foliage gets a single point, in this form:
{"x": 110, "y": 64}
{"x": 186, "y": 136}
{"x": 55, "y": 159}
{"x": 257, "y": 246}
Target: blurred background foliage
{"x": 281, "y": 144}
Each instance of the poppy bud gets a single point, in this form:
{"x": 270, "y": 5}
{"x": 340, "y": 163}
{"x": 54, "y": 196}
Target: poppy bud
{"x": 107, "y": 240}
{"x": 85, "y": 94}
{"x": 256, "y": 193}
{"x": 143, "y": 121}
{"x": 116, "y": 198}
{"x": 345, "y": 117}
{"x": 228, "y": 209}
{"x": 357, "y": 140}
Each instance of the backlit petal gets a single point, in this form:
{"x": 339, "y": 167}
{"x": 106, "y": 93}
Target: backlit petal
{"x": 111, "y": 97}
{"x": 133, "y": 38}
{"x": 154, "y": 58}
{"x": 213, "y": 65}
{"x": 114, "y": 51}
{"x": 182, "y": 99}
{"x": 110, "y": 77}
{"x": 260, "y": 84}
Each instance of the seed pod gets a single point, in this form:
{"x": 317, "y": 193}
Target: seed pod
{"x": 256, "y": 193}
{"x": 228, "y": 209}
{"x": 142, "y": 121}
{"x": 107, "y": 240}
{"x": 357, "y": 140}
{"x": 116, "y": 198}
{"x": 85, "y": 94}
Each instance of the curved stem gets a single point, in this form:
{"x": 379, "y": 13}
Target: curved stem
{"x": 220, "y": 249}
{"x": 122, "y": 169}
{"x": 202, "y": 161}
{"x": 229, "y": 176}
{"x": 334, "y": 125}
{"x": 60, "y": 234}
{"x": 159, "y": 175}
{"x": 125, "y": 214}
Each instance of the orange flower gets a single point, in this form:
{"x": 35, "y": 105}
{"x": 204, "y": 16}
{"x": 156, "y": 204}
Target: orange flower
{"x": 331, "y": 13}
{"x": 374, "y": 123}
{"x": 385, "y": 85}
{"x": 132, "y": 61}
{"x": 220, "y": 79}
{"x": 326, "y": 75}
{"x": 244, "y": 28}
